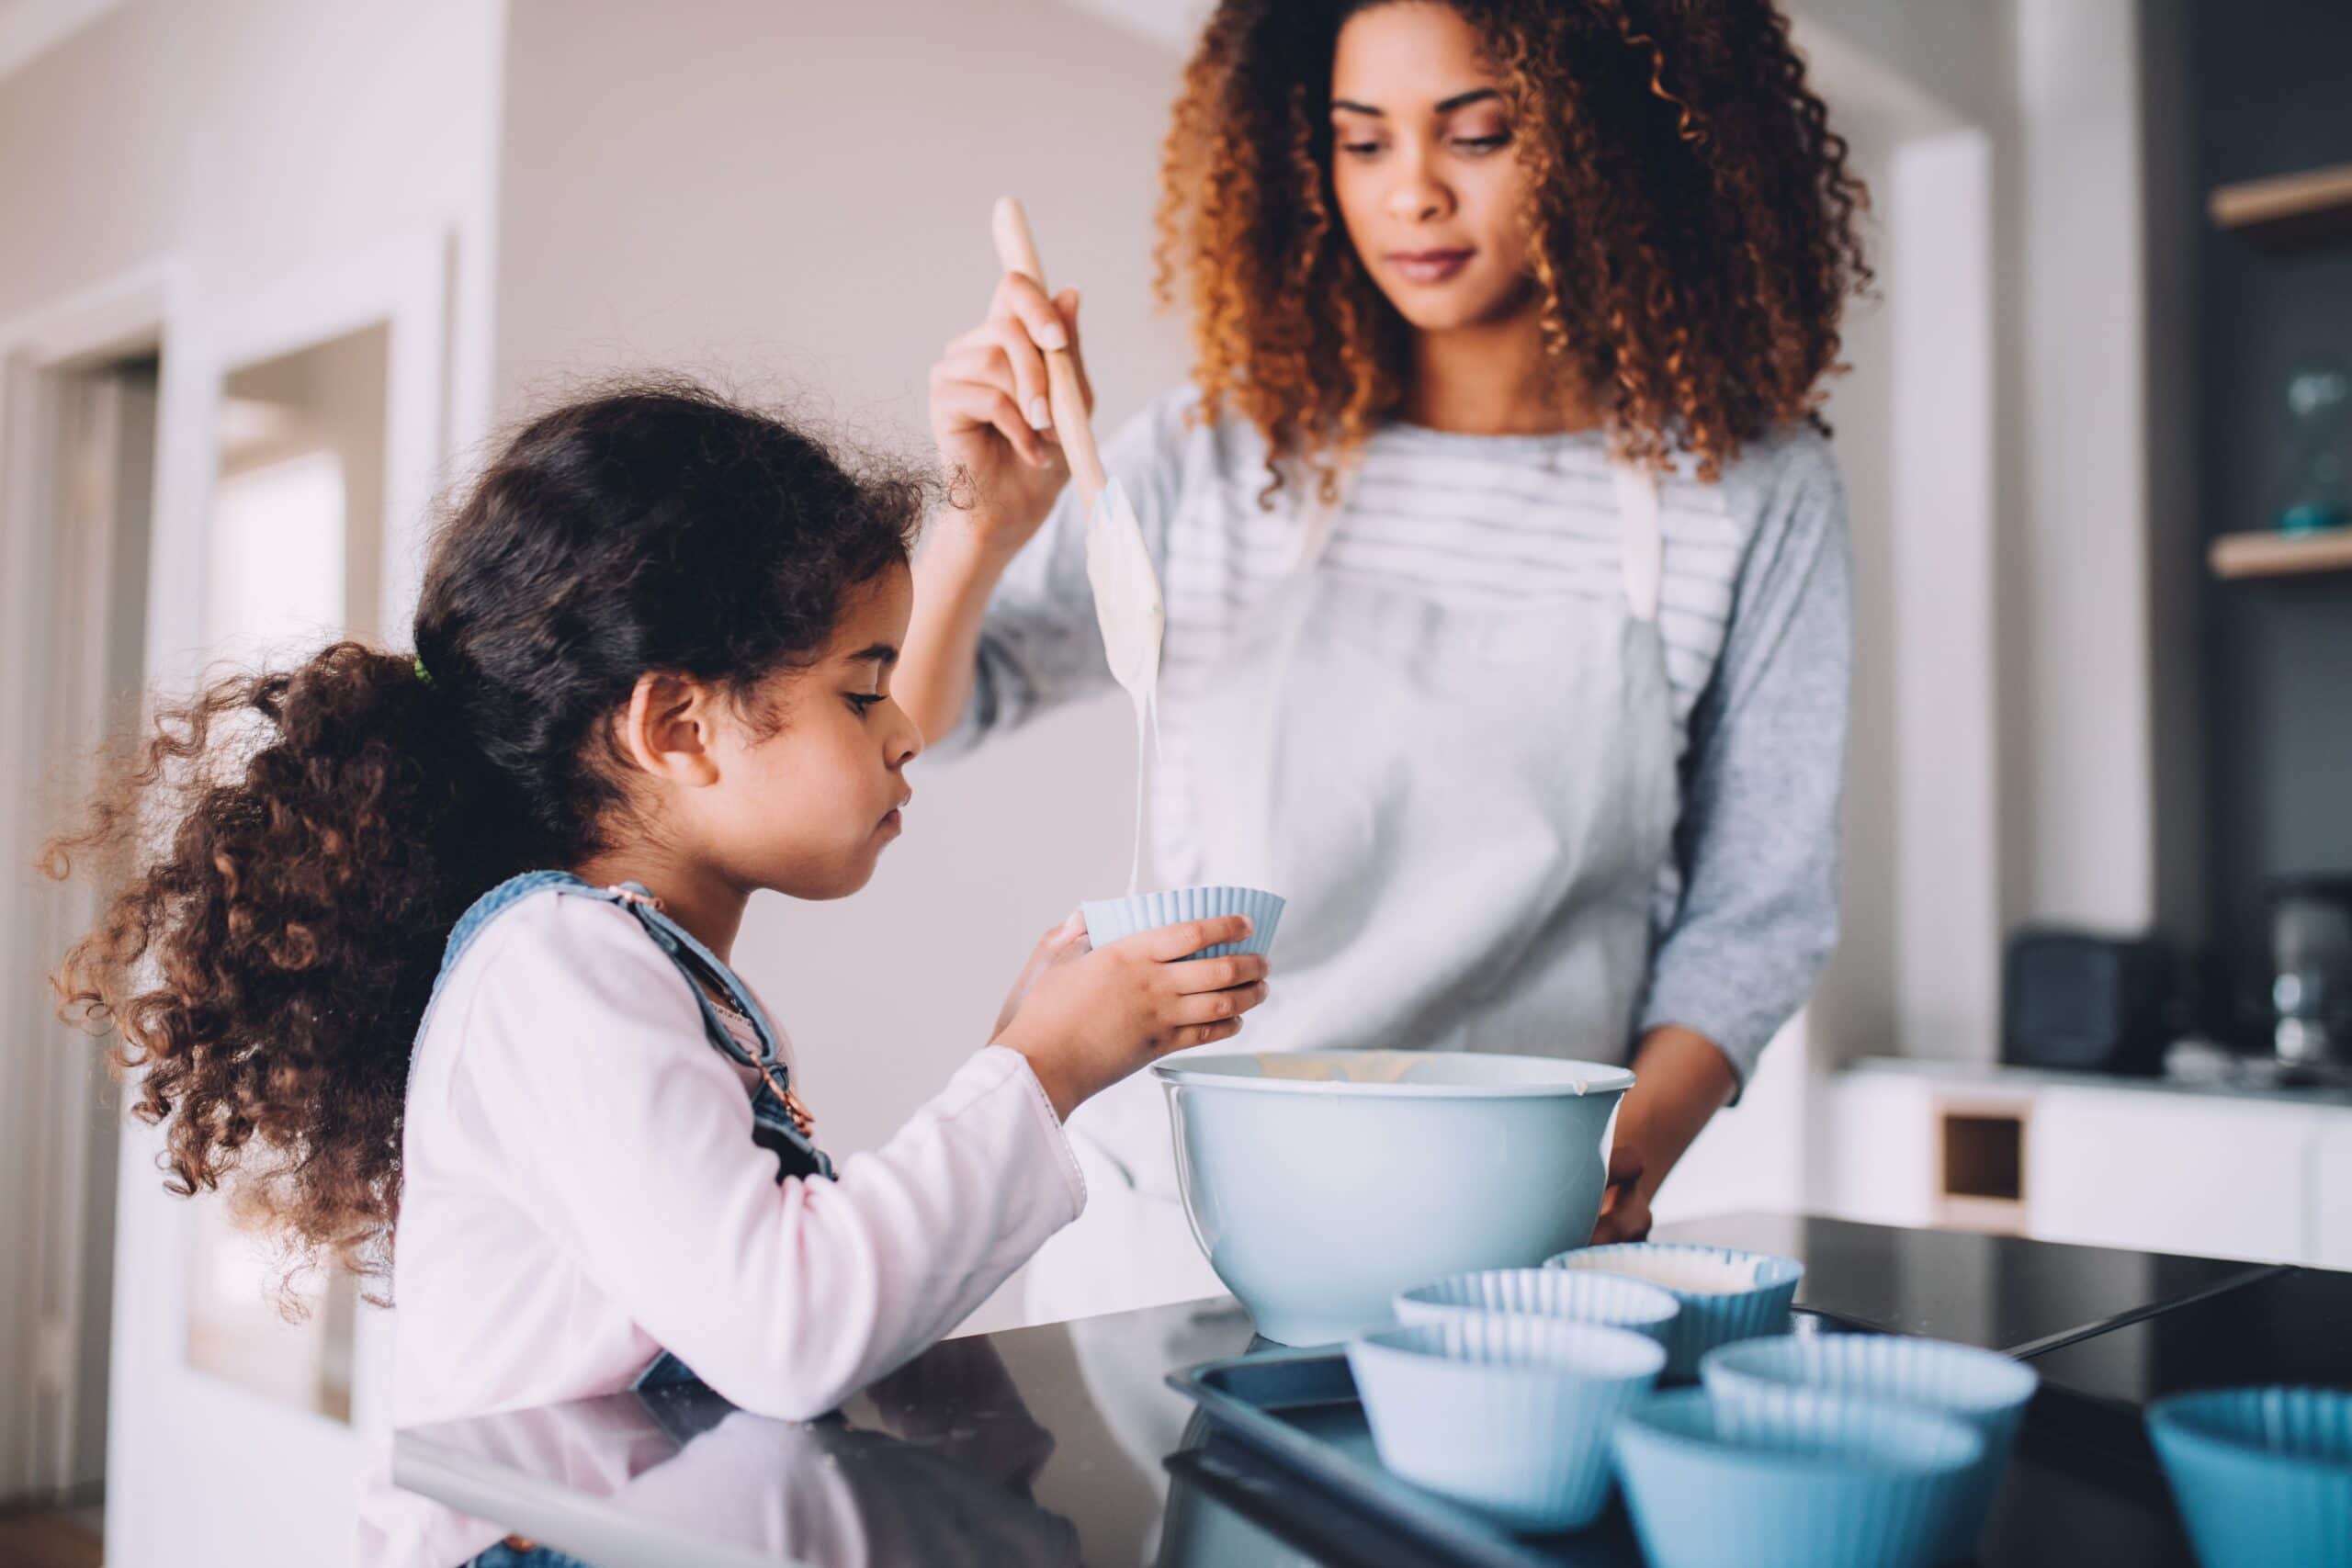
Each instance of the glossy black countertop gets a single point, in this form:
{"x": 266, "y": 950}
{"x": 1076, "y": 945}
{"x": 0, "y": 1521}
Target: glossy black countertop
{"x": 1061, "y": 1444}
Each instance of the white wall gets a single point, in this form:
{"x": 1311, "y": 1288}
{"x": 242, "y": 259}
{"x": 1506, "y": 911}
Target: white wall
{"x": 234, "y": 144}
{"x": 2083, "y": 835}
{"x": 792, "y": 199}
{"x": 1917, "y": 968}
{"x": 2008, "y": 768}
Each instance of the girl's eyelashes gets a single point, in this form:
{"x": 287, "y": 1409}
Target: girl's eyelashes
{"x": 861, "y": 702}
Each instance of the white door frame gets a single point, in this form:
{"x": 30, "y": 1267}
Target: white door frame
{"x": 193, "y": 1462}
{"x": 304, "y": 1468}
{"x": 46, "y": 1098}
{"x": 404, "y": 285}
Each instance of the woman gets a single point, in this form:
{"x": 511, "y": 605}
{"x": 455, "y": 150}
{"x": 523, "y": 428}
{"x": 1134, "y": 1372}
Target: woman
{"x": 1505, "y": 564}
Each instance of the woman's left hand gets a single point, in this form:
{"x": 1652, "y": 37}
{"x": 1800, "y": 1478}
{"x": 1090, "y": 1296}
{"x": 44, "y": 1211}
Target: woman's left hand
{"x": 1624, "y": 1207}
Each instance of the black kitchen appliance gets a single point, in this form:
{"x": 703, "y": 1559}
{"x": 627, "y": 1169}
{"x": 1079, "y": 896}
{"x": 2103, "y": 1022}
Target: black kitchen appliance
{"x": 2078, "y": 1002}
{"x": 2311, "y": 975}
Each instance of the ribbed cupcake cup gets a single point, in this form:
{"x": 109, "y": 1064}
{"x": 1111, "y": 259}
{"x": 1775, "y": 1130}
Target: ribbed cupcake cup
{"x": 1114, "y": 920}
{"x": 1572, "y": 1295}
{"x": 1986, "y": 1390}
{"x": 1510, "y": 1416}
{"x": 1809, "y": 1478}
{"x": 1726, "y": 1294}
{"x": 2263, "y": 1475}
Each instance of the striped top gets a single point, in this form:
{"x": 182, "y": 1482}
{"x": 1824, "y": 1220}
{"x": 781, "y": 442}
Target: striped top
{"x": 1754, "y": 613}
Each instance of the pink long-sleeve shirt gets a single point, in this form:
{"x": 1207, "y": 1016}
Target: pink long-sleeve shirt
{"x": 580, "y": 1190}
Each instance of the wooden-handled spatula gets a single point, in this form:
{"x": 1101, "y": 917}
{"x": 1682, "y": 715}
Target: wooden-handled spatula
{"x": 1128, "y": 603}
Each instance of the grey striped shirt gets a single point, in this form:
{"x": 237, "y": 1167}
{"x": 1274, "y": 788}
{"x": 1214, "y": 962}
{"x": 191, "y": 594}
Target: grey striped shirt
{"x": 1755, "y": 612}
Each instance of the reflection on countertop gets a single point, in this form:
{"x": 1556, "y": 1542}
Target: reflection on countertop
{"x": 1037, "y": 1448}
{"x": 1062, "y": 1443}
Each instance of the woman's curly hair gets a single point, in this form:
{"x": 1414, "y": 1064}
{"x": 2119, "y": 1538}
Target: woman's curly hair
{"x": 1694, "y": 225}
{"x": 286, "y": 851}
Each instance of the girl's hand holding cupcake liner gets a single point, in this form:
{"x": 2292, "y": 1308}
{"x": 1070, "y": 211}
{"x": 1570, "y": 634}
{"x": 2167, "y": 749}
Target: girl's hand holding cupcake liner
{"x": 1086, "y": 1019}
{"x": 1064, "y": 942}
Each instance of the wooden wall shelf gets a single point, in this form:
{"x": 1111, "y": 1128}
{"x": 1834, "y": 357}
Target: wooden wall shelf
{"x": 2281, "y": 555}
{"x": 2312, "y": 204}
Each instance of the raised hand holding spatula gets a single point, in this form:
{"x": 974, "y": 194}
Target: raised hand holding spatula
{"x": 1128, "y": 603}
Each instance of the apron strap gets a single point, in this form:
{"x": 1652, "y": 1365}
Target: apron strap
{"x": 1319, "y": 519}
{"x": 1640, "y": 540}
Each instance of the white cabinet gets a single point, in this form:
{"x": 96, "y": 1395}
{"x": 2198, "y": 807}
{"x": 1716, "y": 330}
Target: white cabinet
{"x": 2169, "y": 1173}
{"x": 2149, "y": 1168}
{"x": 2331, "y": 1226}
{"x": 1878, "y": 1163}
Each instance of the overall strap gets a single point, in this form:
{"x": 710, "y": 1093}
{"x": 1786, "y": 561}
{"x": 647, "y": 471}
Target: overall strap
{"x": 495, "y": 902}
{"x": 698, "y": 964}
{"x": 775, "y": 1109}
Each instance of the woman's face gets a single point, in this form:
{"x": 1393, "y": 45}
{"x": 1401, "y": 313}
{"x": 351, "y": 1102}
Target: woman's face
{"x": 1430, "y": 187}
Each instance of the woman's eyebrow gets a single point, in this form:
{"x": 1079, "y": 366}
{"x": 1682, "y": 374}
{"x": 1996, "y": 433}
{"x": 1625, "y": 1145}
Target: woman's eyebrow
{"x": 1446, "y": 106}
{"x": 881, "y": 653}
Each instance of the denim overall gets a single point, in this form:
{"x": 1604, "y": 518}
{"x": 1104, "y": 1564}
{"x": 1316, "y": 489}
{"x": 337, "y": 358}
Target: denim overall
{"x": 777, "y": 1123}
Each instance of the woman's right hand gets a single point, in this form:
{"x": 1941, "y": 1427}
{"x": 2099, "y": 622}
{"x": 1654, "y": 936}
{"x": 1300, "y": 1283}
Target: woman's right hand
{"x": 992, "y": 418}
{"x": 1092, "y": 1019}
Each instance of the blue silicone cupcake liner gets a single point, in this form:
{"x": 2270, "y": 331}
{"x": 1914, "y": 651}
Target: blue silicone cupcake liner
{"x": 1113, "y": 919}
{"x": 1725, "y": 1294}
{"x": 1576, "y": 1295}
{"x": 1507, "y": 1415}
{"x": 1811, "y": 1478}
{"x": 1986, "y": 1390}
{"x": 2263, "y": 1475}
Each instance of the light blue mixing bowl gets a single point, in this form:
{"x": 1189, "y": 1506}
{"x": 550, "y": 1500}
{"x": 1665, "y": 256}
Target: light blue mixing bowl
{"x": 1726, "y": 1294}
{"x": 1983, "y": 1388}
{"x": 2263, "y": 1475}
{"x": 1115, "y": 919}
{"x": 1815, "y": 1479}
{"x": 1320, "y": 1183}
{"x": 1577, "y": 1295}
{"x": 1511, "y": 1416}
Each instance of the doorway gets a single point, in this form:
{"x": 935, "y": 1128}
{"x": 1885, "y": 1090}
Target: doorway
{"x": 74, "y": 536}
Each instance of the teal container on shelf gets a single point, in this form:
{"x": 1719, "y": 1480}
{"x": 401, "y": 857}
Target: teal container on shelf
{"x": 1725, "y": 1294}
{"x": 1510, "y": 1416}
{"x": 1114, "y": 920}
{"x": 1812, "y": 1478}
{"x": 2263, "y": 1475}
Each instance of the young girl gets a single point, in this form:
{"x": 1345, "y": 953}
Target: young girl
{"x": 432, "y": 958}
{"x": 1505, "y": 559}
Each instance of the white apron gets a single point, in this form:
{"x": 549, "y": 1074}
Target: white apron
{"x": 1469, "y": 809}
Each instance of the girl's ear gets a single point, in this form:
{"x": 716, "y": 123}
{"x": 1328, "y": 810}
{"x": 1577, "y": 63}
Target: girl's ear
{"x": 669, "y": 729}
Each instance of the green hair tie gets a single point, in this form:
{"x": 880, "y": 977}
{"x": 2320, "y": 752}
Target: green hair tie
{"x": 424, "y": 676}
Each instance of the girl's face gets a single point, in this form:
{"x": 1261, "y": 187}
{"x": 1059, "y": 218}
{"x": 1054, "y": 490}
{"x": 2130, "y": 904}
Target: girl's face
{"x": 809, "y": 809}
{"x": 1432, "y": 192}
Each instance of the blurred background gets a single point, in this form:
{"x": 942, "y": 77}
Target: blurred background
{"x": 272, "y": 272}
